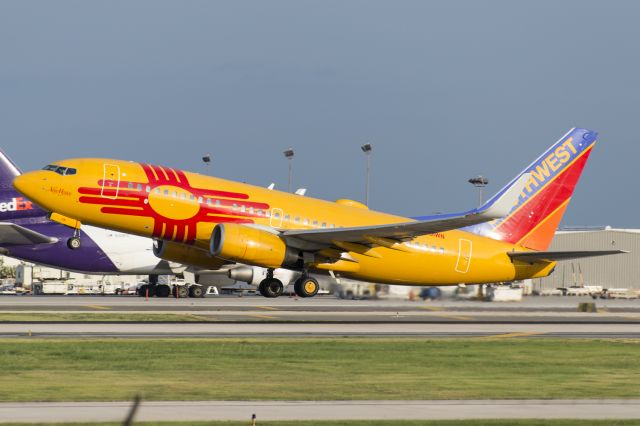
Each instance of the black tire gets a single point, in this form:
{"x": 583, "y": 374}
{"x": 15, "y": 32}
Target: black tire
{"x": 183, "y": 291}
{"x": 162, "y": 290}
{"x": 272, "y": 287}
{"x": 142, "y": 290}
{"x": 306, "y": 287}
{"x": 74, "y": 243}
{"x": 261, "y": 288}
{"x": 152, "y": 290}
{"x": 196, "y": 291}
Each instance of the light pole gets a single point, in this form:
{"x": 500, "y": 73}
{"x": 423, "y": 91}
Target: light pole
{"x": 367, "y": 148}
{"x": 288, "y": 154}
{"x": 479, "y": 182}
{"x": 206, "y": 159}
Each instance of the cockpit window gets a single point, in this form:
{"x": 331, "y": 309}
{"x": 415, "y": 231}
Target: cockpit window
{"x": 64, "y": 171}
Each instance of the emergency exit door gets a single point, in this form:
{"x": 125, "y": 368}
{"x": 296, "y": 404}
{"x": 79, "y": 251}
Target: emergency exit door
{"x": 464, "y": 256}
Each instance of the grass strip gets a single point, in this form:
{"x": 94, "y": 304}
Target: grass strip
{"x": 317, "y": 369}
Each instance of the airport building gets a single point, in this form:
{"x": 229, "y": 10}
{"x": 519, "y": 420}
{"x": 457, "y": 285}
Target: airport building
{"x": 616, "y": 271}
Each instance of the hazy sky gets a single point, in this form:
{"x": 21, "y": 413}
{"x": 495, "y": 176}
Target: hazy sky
{"x": 444, "y": 90}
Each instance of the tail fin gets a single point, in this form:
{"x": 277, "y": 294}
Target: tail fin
{"x": 534, "y": 218}
{"x": 12, "y": 204}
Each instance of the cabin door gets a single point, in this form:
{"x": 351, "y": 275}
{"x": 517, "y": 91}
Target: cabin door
{"x": 464, "y": 256}
{"x": 110, "y": 181}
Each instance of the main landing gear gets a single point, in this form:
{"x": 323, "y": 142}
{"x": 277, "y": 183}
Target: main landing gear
{"x": 305, "y": 286}
{"x": 74, "y": 242}
{"x": 270, "y": 286}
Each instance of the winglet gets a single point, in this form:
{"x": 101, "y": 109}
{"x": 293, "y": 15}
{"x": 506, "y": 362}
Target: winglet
{"x": 502, "y": 203}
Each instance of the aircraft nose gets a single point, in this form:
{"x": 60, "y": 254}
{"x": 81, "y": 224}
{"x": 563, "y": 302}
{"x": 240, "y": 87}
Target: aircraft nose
{"x": 29, "y": 184}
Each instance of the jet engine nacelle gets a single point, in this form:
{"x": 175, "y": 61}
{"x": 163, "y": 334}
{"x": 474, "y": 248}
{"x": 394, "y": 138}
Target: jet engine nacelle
{"x": 253, "y": 246}
{"x": 186, "y": 255}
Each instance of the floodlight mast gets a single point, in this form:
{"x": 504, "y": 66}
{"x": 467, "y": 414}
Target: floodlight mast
{"x": 479, "y": 182}
{"x": 367, "y": 148}
{"x": 289, "y": 154}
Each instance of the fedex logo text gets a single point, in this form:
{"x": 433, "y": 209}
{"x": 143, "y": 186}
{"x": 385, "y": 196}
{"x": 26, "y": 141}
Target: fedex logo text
{"x": 16, "y": 204}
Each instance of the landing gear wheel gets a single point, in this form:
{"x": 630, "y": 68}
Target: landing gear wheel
{"x": 162, "y": 290}
{"x": 271, "y": 287}
{"x": 183, "y": 292}
{"x": 306, "y": 287}
{"x": 195, "y": 291}
{"x": 74, "y": 243}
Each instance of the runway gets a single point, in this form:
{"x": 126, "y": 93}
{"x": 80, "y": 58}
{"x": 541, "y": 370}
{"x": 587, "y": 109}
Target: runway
{"x": 64, "y": 412}
{"x": 539, "y": 317}
{"x": 266, "y": 329}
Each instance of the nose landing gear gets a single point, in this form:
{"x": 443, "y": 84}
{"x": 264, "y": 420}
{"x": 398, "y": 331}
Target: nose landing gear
{"x": 74, "y": 242}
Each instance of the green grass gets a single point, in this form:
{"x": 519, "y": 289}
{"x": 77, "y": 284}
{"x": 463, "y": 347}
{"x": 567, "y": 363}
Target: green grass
{"x": 317, "y": 368}
{"x": 100, "y": 316}
{"x": 370, "y": 423}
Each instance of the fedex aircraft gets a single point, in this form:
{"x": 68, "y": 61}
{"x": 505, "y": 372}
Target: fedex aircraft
{"x": 208, "y": 221}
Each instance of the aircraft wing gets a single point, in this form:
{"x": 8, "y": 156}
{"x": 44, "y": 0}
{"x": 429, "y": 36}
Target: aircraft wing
{"x": 10, "y": 233}
{"x": 499, "y": 206}
{"x": 534, "y": 256}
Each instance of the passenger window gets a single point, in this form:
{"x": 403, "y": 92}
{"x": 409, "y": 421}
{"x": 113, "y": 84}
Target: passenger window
{"x": 235, "y": 206}
{"x": 287, "y": 217}
{"x": 297, "y": 219}
{"x": 315, "y": 223}
{"x": 217, "y": 203}
{"x": 250, "y": 210}
{"x": 276, "y": 215}
{"x": 243, "y": 208}
{"x": 441, "y": 250}
{"x": 192, "y": 197}
{"x": 305, "y": 221}
{"x": 130, "y": 185}
{"x": 267, "y": 213}
{"x": 166, "y": 191}
{"x": 324, "y": 224}
{"x": 183, "y": 196}
{"x": 208, "y": 201}
{"x": 259, "y": 212}
{"x": 148, "y": 188}
{"x": 139, "y": 187}
{"x": 332, "y": 226}
{"x": 200, "y": 199}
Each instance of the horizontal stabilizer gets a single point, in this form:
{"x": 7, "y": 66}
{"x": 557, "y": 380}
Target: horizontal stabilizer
{"x": 534, "y": 256}
{"x": 13, "y": 234}
{"x": 495, "y": 208}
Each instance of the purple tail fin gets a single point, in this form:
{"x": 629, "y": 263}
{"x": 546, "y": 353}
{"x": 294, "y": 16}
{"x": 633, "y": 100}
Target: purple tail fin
{"x": 12, "y": 204}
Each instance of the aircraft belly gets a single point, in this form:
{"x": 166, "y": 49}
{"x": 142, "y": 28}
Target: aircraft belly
{"x": 129, "y": 253}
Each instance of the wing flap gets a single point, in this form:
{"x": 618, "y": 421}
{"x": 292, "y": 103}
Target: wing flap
{"x": 550, "y": 256}
{"x": 499, "y": 206}
{"x": 12, "y": 234}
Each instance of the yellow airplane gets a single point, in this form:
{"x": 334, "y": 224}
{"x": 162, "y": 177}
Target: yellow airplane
{"x": 207, "y": 222}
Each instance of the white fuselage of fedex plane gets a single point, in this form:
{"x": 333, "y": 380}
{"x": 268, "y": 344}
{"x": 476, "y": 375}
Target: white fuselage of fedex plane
{"x": 130, "y": 254}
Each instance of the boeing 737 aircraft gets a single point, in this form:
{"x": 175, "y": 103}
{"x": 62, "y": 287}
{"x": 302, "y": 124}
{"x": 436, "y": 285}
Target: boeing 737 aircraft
{"x": 207, "y": 221}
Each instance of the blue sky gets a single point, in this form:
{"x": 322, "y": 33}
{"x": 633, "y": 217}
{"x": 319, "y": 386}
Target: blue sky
{"x": 444, "y": 90}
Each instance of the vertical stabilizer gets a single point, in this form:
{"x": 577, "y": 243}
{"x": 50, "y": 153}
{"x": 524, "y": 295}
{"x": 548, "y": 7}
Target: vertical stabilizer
{"x": 536, "y": 215}
{"x": 12, "y": 204}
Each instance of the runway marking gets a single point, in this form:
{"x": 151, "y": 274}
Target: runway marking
{"x": 510, "y": 335}
{"x": 436, "y": 309}
{"x": 267, "y": 308}
{"x": 262, "y": 316}
{"x": 102, "y": 308}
